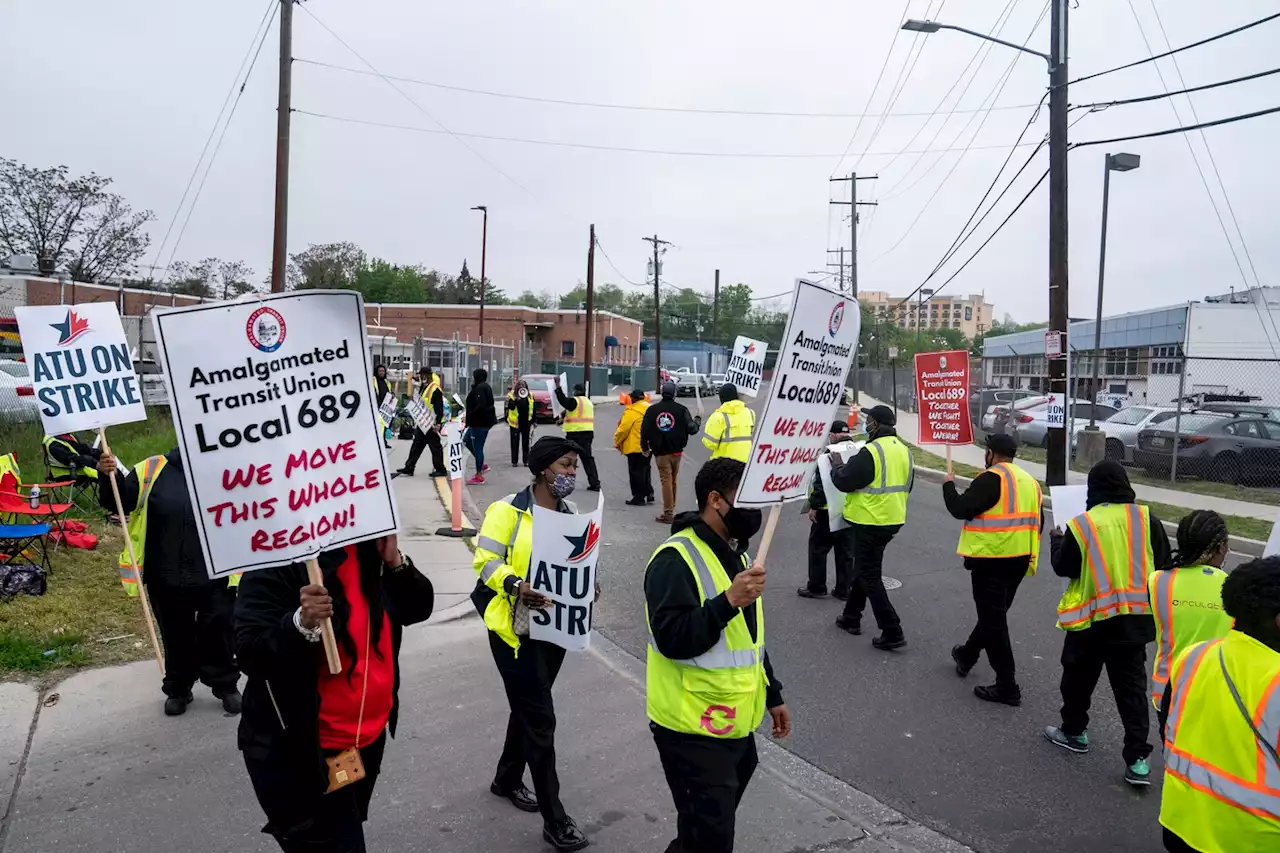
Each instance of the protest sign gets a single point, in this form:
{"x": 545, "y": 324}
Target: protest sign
{"x": 276, "y": 426}
{"x": 1272, "y": 548}
{"x": 453, "y": 444}
{"x": 835, "y": 498}
{"x": 424, "y": 417}
{"x": 390, "y": 404}
{"x": 556, "y": 408}
{"x": 1068, "y": 502}
{"x": 562, "y": 566}
{"x": 942, "y": 387}
{"x": 81, "y": 371}
{"x": 746, "y": 365}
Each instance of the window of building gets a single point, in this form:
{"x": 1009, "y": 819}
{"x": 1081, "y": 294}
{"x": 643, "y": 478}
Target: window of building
{"x": 566, "y": 348}
{"x": 968, "y": 312}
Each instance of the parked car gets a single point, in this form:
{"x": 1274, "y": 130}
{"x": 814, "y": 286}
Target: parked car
{"x": 982, "y": 400}
{"x": 1032, "y": 425}
{"x": 1000, "y": 416}
{"x": 17, "y": 397}
{"x": 689, "y": 383}
{"x": 543, "y": 413}
{"x": 716, "y": 380}
{"x": 1215, "y": 446}
{"x": 1257, "y": 409}
{"x": 1122, "y": 428}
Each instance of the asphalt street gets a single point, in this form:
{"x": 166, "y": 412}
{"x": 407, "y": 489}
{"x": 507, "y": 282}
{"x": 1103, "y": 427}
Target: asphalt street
{"x": 900, "y": 726}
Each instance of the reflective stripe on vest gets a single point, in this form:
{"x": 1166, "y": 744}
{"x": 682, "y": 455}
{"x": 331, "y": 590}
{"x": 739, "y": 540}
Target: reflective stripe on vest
{"x": 147, "y": 471}
{"x": 884, "y": 501}
{"x": 1010, "y": 528}
{"x": 1201, "y": 618}
{"x": 581, "y": 419}
{"x": 719, "y": 656}
{"x": 1103, "y": 586}
{"x": 490, "y": 544}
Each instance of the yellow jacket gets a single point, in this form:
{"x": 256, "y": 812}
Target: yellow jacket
{"x": 627, "y": 436}
{"x": 728, "y": 431}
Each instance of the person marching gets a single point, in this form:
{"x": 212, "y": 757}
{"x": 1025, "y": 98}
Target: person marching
{"x": 519, "y": 414}
{"x": 1109, "y": 555}
{"x": 381, "y": 388}
{"x": 192, "y": 611}
{"x": 664, "y": 432}
{"x": 528, "y": 667}
{"x": 730, "y": 427}
{"x": 627, "y": 440}
{"x": 1188, "y": 594}
{"x": 1003, "y": 515}
{"x": 709, "y": 680}
{"x": 822, "y": 540}
{"x": 580, "y": 426}
{"x": 433, "y": 396}
{"x": 878, "y": 481}
{"x": 482, "y": 414}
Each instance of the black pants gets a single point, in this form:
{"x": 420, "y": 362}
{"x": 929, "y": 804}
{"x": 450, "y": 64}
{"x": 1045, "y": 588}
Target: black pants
{"x": 519, "y": 442}
{"x": 995, "y": 583}
{"x": 421, "y": 441}
{"x": 1174, "y": 844}
{"x": 821, "y": 542}
{"x": 1084, "y": 654}
{"x": 584, "y": 441}
{"x": 195, "y": 628}
{"x": 300, "y": 817}
{"x": 531, "y": 727}
{"x": 869, "y": 542}
{"x": 707, "y": 777}
{"x": 640, "y": 474}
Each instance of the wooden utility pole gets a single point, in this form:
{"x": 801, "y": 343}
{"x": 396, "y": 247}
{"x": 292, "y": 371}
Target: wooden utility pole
{"x": 591, "y": 304}
{"x": 657, "y": 309}
{"x": 284, "y": 109}
{"x": 853, "y": 205}
{"x": 1056, "y": 461}
{"x": 715, "y": 310}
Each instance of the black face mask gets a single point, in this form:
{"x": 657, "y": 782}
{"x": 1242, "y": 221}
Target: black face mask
{"x": 742, "y": 524}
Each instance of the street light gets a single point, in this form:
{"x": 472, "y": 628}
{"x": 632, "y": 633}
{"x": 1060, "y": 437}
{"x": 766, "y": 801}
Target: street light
{"x": 924, "y": 291}
{"x": 484, "y": 250}
{"x": 1112, "y": 163}
{"x": 1056, "y": 59}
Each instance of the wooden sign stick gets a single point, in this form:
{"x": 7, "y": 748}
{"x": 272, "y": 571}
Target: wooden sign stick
{"x": 770, "y": 524}
{"x": 133, "y": 560}
{"x": 326, "y": 627}
{"x": 949, "y": 471}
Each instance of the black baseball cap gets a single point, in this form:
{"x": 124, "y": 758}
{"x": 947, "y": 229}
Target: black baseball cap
{"x": 839, "y": 426}
{"x": 1004, "y": 445}
{"x": 881, "y": 414}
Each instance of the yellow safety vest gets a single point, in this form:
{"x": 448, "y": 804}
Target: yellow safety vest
{"x": 1115, "y": 542}
{"x": 513, "y": 415}
{"x": 146, "y": 471}
{"x": 1221, "y": 784}
{"x": 57, "y": 470}
{"x": 884, "y": 502}
{"x": 1011, "y": 528}
{"x": 729, "y": 431}
{"x": 581, "y": 419}
{"x": 9, "y": 465}
{"x": 721, "y": 692}
{"x": 1188, "y": 610}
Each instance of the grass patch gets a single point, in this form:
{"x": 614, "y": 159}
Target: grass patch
{"x": 131, "y": 442}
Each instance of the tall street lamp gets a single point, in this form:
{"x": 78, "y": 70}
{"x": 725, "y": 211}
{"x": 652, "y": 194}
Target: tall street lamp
{"x": 1113, "y": 163}
{"x": 1056, "y": 464}
{"x": 484, "y": 250}
{"x": 924, "y": 291}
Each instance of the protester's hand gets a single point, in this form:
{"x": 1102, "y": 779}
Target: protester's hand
{"x": 389, "y": 550}
{"x": 107, "y": 466}
{"x": 781, "y": 721}
{"x": 836, "y": 459}
{"x": 813, "y": 515}
{"x": 536, "y": 600}
{"x": 1057, "y": 531}
{"x": 746, "y": 587}
{"x": 317, "y": 606}
{"x": 950, "y": 478}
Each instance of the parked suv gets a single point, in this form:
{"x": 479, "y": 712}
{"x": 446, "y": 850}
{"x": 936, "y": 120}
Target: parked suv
{"x": 1032, "y": 425}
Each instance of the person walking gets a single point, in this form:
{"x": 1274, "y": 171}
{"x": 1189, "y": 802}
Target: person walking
{"x": 381, "y": 388}
{"x": 528, "y": 667}
{"x": 730, "y": 427}
{"x": 192, "y": 611}
{"x": 1003, "y": 515}
{"x": 1186, "y": 598}
{"x": 627, "y": 440}
{"x": 877, "y": 482}
{"x": 664, "y": 433}
{"x": 822, "y": 540}
{"x": 305, "y": 732}
{"x": 433, "y": 396}
{"x": 708, "y": 677}
{"x": 519, "y": 415}
{"x": 482, "y": 414}
{"x": 1108, "y": 554}
{"x": 580, "y": 426}
{"x": 1220, "y": 723}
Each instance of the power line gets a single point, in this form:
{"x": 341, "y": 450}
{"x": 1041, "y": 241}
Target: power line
{"x": 1185, "y": 129}
{"x": 1103, "y": 105}
{"x": 608, "y": 260}
{"x": 906, "y": 8}
{"x": 607, "y": 105}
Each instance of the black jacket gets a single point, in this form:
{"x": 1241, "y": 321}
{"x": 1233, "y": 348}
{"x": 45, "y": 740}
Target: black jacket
{"x": 672, "y": 434}
{"x": 84, "y": 455}
{"x": 860, "y": 471}
{"x": 522, "y": 408}
{"x": 481, "y": 411}
{"x": 172, "y": 557}
{"x": 283, "y": 667}
{"x": 983, "y": 493}
{"x": 683, "y": 627}
{"x": 382, "y": 387}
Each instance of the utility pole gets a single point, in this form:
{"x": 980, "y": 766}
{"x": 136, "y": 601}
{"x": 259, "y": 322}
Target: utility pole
{"x": 840, "y": 268}
{"x": 484, "y": 253}
{"x": 1056, "y": 461}
{"x": 853, "y": 204}
{"x": 715, "y": 310}
{"x": 591, "y": 304}
{"x": 284, "y": 110}
{"x": 657, "y": 309}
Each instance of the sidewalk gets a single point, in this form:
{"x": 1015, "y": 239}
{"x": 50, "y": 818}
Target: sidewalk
{"x": 909, "y": 431}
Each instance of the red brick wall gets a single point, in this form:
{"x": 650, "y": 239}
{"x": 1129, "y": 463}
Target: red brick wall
{"x": 42, "y": 291}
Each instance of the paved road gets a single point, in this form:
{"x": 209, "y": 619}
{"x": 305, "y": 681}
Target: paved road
{"x": 901, "y": 727}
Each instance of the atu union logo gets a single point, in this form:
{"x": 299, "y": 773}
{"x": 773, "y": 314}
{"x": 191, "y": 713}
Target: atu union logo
{"x": 584, "y": 545}
{"x": 942, "y": 362}
{"x": 836, "y": 319}
{"x": 749, "y": 348}
{"x": 666, "y": 421}
{"x": 71, "y": 328}
{"x": 265, "y": 329}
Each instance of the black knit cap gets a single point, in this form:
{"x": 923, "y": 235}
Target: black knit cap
{"x": 547, "y": 450}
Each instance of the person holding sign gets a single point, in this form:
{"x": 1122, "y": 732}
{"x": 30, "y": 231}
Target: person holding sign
{"x": 878, "y": 481}
{"x": 1003, "y": 515}
{"x": 580, "y": 425}
{"x": 709, "y": 680}
{"x": 381, "y": 388}
{"x": 626, "y": 438}
{"x": 822, "y": 539}
{"x": 503, "y": 597}
{"x": 519, "y": 415}
{"x": 730, "y": 427}
{"x": 433, "y": 397}
{"x": 1106, "y": 613}
{"x": 313, "y": 742}
{"x": 193, "y": 612}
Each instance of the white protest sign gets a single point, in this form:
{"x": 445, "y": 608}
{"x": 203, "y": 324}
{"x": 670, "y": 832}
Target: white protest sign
{"x": 1068, "y": 502}
{"x": 390, "y": 404}
{"x": 562, "y": 566}
{"x": 81, "y": 371}
{"x": 423, "y": 415}
{"x": 453, "y": 437}
{"x": 462, "y": 406}
{"x": 1272, "y": 548}
{"x": 1056, "y": 412}
{"x": 808, "y": 385}
{"x": 556, "y": 408}
{"x": 835, "y": 498}
{"x": 277, "y": 426}
{"x": 746, "y": 365}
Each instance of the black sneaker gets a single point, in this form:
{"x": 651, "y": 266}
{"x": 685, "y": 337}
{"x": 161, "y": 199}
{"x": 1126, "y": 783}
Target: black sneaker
{"x": 232, "y": 702}
{"x": 962, "y": 666}
{"x": 886, "y": 643}
{"x": 439, "y": 473}
{"x": 1010, "y": 696}
{"x": 594, "y": 488}
{"x": 520, "y": 797}
{"x": 637, "y": 502}
{"x": 650, "y": 499}
{"x": 805, "y": 592}
{"x": 176, "y": 706}
{"x": 853, "y": 626}
{"x": 403, "y": 472}
{"x": 565, "y": 835}
{"x": 842, "y": 594}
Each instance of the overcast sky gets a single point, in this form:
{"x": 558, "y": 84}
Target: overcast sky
{"x": 131, "y": 89}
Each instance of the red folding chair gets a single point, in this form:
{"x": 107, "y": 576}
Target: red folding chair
{"x": 15, "y": 509}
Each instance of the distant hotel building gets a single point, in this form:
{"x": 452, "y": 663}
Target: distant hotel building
{"x": 970, "y": 315}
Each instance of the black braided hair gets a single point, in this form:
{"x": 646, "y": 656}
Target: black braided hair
{"x": 1251, "y": 595}
{"x": 1200, "y": 535}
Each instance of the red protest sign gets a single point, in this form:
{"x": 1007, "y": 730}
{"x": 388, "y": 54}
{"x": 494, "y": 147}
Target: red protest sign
{"x": 942, "y": 387}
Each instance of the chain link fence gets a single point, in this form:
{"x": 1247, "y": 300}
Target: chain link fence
{"x": 454, "y": 360}
{"x": 894, "y": 385}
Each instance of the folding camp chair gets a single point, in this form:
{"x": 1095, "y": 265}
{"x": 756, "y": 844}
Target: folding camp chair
{"x": 17, "y": 512}
{"x": 17, "y": 539}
